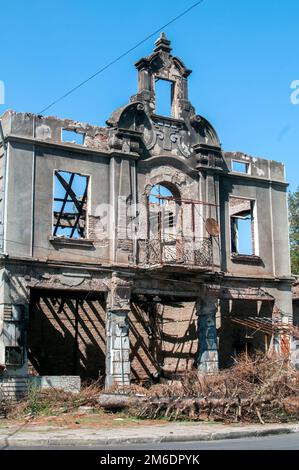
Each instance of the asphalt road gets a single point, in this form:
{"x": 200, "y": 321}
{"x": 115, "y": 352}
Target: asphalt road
{"x": 281, "y": 442}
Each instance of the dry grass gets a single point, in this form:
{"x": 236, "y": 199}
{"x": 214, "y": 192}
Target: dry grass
{"x": 51, "y": 402}
{"x": 259, "y": 389}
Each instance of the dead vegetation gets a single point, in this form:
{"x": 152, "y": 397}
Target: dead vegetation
{"x": 258, "y": 389}
{"x": 50, "y": 401}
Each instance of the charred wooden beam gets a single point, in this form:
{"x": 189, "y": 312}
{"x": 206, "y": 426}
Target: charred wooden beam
{"x": 67, "y": 189}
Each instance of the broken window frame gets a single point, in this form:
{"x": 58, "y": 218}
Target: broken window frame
{"x": 233, "y": 219}
{"x": 240, "y": 162}
{"x": 74, "y": 133}
{"x": 70, "y": 196}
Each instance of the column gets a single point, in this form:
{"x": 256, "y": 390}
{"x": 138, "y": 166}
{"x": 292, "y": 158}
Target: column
{"x": 117, "y": 330}
{"x": 14, "y": 314}
{"x": 283, "y": 313}
{"x": 207, "y": 334}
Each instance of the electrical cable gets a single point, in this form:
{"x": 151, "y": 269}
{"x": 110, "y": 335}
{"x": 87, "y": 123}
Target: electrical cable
{"x": 121, "y": 56}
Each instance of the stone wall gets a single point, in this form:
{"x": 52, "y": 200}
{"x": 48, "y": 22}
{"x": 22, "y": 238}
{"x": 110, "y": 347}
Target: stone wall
{"x": 68, "y": 383}
{"x": 12, "y": 388}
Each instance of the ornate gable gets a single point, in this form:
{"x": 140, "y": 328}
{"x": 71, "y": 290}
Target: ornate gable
{"x": 136, "y": 128}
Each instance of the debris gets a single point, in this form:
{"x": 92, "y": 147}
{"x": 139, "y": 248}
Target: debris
{"x": 86, "y": 410}
{"x": 259, "y": 389}
{"x": 118, "y": 401}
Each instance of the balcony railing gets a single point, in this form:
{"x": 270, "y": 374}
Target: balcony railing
{"x": 176, "y": 251}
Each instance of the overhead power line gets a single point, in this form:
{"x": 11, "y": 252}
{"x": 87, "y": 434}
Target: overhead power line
{"x": 124, "y": 54}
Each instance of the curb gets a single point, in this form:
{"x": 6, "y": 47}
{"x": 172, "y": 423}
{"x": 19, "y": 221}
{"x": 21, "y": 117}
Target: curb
{"x": 6, "y": 443}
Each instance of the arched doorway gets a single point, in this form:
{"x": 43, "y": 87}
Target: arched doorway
{"x": 164, "y": 209}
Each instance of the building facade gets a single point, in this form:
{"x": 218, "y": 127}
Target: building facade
{"x": 128, "y": 251}
{"x": 295, "y": 291}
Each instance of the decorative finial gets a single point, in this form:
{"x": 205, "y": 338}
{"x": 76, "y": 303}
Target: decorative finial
{"x": 162, "y": 44}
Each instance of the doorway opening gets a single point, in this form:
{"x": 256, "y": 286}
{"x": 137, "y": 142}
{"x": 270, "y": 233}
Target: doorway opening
{"x": 164, "y": 222}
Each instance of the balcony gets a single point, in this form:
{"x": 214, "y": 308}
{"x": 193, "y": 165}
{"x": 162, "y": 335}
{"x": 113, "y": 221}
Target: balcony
{"x": 178, "y": 252}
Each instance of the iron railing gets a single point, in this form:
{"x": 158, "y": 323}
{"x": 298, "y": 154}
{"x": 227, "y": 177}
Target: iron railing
{"x": 172, "y": 250}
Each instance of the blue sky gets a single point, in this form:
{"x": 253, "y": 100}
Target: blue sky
{"x": 244, "y": 56}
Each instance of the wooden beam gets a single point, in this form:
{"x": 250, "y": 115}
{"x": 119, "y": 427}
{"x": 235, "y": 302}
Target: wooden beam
{"x": 67, "y": 189}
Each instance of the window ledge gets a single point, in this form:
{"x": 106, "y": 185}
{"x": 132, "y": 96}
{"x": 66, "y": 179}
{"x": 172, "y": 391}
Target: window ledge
{"x": 76, "y": 242}
{"x": 246, "y": 259}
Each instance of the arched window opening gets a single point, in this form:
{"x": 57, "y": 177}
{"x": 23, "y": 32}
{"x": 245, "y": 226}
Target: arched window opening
{"x": 164, "y": 224}
{"x": 174, "y": 229}
{"x": 163, "y": 213}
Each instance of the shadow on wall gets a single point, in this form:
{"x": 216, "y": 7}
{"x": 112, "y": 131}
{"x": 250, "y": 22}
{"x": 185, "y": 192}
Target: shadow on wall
{"x": 66, "y": 334}
{"x": 163, "y": 338}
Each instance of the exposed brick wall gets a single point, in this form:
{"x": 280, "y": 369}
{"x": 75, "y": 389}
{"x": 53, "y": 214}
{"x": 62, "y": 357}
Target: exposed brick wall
{"x": 237, "y": 205}
{"x": 143, "y": 356}
{"x": 66, "y": 335}
{"x": 62, "y": 342}
{"x": 162, "y": 337}
{"x": 180, "y": 337}
{"x": 234, "y": 339}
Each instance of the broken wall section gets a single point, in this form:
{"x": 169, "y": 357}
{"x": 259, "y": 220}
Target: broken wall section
{"x": 59, "y": 131}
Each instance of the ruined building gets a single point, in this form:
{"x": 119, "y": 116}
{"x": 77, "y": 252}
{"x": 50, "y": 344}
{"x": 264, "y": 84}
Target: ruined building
{"x": 136, "y": 251}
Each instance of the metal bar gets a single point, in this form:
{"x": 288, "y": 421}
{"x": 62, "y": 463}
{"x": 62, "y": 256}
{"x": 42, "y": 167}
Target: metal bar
{"x": 253, "y": 325}
{"x": 193, "y": 229}
{"x": 187, "y": 201}
{"x": 267, "y": 326}
{"x": 160, "y": 222}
